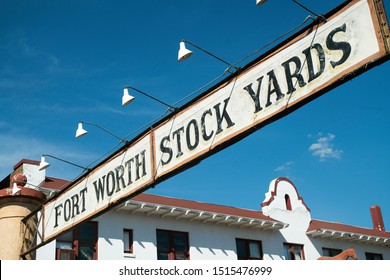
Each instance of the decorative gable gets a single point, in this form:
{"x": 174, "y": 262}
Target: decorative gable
{"x": 283, "y": 202}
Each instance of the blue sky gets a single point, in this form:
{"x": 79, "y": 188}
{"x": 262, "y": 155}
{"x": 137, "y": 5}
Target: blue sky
{"x": 66, "y": 61}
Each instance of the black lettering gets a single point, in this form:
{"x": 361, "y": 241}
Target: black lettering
{"x": 195, "y": 133}
{"x": 255, "y": 95}
{"x": 140, "y": 164}
{"x": 166, "y": 150}
{"x": 99, "y": 188}
{"x": 67, "y": 210}
{"x": 224, "y": 116}
{"x": 178, "y": 137}
{"x": 119, "y": 172}
{"x": 276, "y": 88}
{"x": 128, "y": 165}
{"x": 345, "y": 47}
{"x": 57, "y": 209}
{"x": 110, "y": 191}
{"x": 71, "y": 207}
{"x": 205, "y": 136}
{"x": 290, "y": 76}
{"x": 310, "y": 66}
{"x": 82, "y": 194}
{"x": 75, "y": 205}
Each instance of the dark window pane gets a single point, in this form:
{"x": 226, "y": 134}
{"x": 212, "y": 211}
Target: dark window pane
{"x": 297, "y": 253}
{"x": 241, "y": 249}
{"x": 329, "y": 252}
{"x": 68, "y": 236}
{"x": 172, "y": 245}
{"x": 373, "y": 256}
{"x": 293, "y": 251}
{"x": 87, "y": 233}
{"x": 64, "y": 245}
{"x": 66, "y": 255}
{"x": 162, "y": 240}
{"x": 180, "y": 242}
{"x": 85, "y": 252}
{"x": 180, "y": 256}
{"x": 254, "y": 249}
{"x": 82, "y": 242}
{"x": 162, "y": 255}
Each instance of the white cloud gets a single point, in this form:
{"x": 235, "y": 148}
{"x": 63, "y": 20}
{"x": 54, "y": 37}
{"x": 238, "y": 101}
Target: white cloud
{"x": 324, "y": 148}
{"x": 284, "y": 167}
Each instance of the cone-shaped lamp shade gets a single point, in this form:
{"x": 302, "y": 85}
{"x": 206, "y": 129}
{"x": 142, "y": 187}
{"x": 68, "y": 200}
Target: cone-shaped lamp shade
{"x": 15, "y": 189}
{"x": 127, "y": 98}
{"x": 80, "y": 131}
{"x": 259, "y": 2}
{"x": 43, "y": 164}
{"x": 183, "y": 52}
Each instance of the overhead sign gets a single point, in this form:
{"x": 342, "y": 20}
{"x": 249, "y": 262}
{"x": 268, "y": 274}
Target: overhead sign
{"x": 311, "y": 63}
{"x": 288, "y": 76}
{"x": 125, "y": 172}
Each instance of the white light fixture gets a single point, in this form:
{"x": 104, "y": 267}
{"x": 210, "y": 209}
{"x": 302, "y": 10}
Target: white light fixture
{"x": 183, "y": 52}
{"x": 80, "y": 130}
{"x": 16, "y": 190}
{"x": 259, "y": 2}
{"x": 127, "y": 98}
{"x": 43, "y": 164}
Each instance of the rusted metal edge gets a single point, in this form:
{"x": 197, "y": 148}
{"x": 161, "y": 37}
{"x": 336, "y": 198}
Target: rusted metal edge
{"x": 383, "y": 23}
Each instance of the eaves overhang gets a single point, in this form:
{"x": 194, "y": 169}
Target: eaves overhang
{"x": 195, "y": 215}
{"x": 337, "y": 235}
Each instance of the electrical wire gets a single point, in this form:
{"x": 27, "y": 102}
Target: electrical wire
{"x": 197, "y": 90}
{"x": 275, "y": 40}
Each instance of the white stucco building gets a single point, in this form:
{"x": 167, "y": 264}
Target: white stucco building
{"x": 150, "y": 227}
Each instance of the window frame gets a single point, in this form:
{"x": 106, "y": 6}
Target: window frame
{"x": 78, "y": 243}
{"x": 130, "y": 240}
{"x": 333, "y": 251}
{"x": 367, "y": 254}
{"x": 287, "y": 201}
{"x": 247, "y": 249}
{"x": 75, "y": 243}
{"x": 291, "y": 250}
{"x": 171, "y": 250}
{"x": 70, "y": 252}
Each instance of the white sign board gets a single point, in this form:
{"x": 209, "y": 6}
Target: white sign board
{"x": 271, "y": 86}
{"x": 124, "y": 173}
{"x": 287, "y": 77}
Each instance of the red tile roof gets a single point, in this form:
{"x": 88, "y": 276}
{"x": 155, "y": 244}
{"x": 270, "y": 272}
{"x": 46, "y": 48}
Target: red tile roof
{"x": 58, "y": 184}
{"x": 321, "y": 225}
{"x": 201, "y": 206}
{"x": 54, "y": 183}
{"x": 315, "y": 225}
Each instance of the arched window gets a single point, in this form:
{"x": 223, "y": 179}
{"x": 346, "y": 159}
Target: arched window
{"x": 288, "y": 202}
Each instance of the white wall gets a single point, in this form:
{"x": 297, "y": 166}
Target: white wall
{"x": 47, "y": 252}
{"x": 34, "y": 176}
{"x": 217, "y": 242}
{"x": 203, "y": 237}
